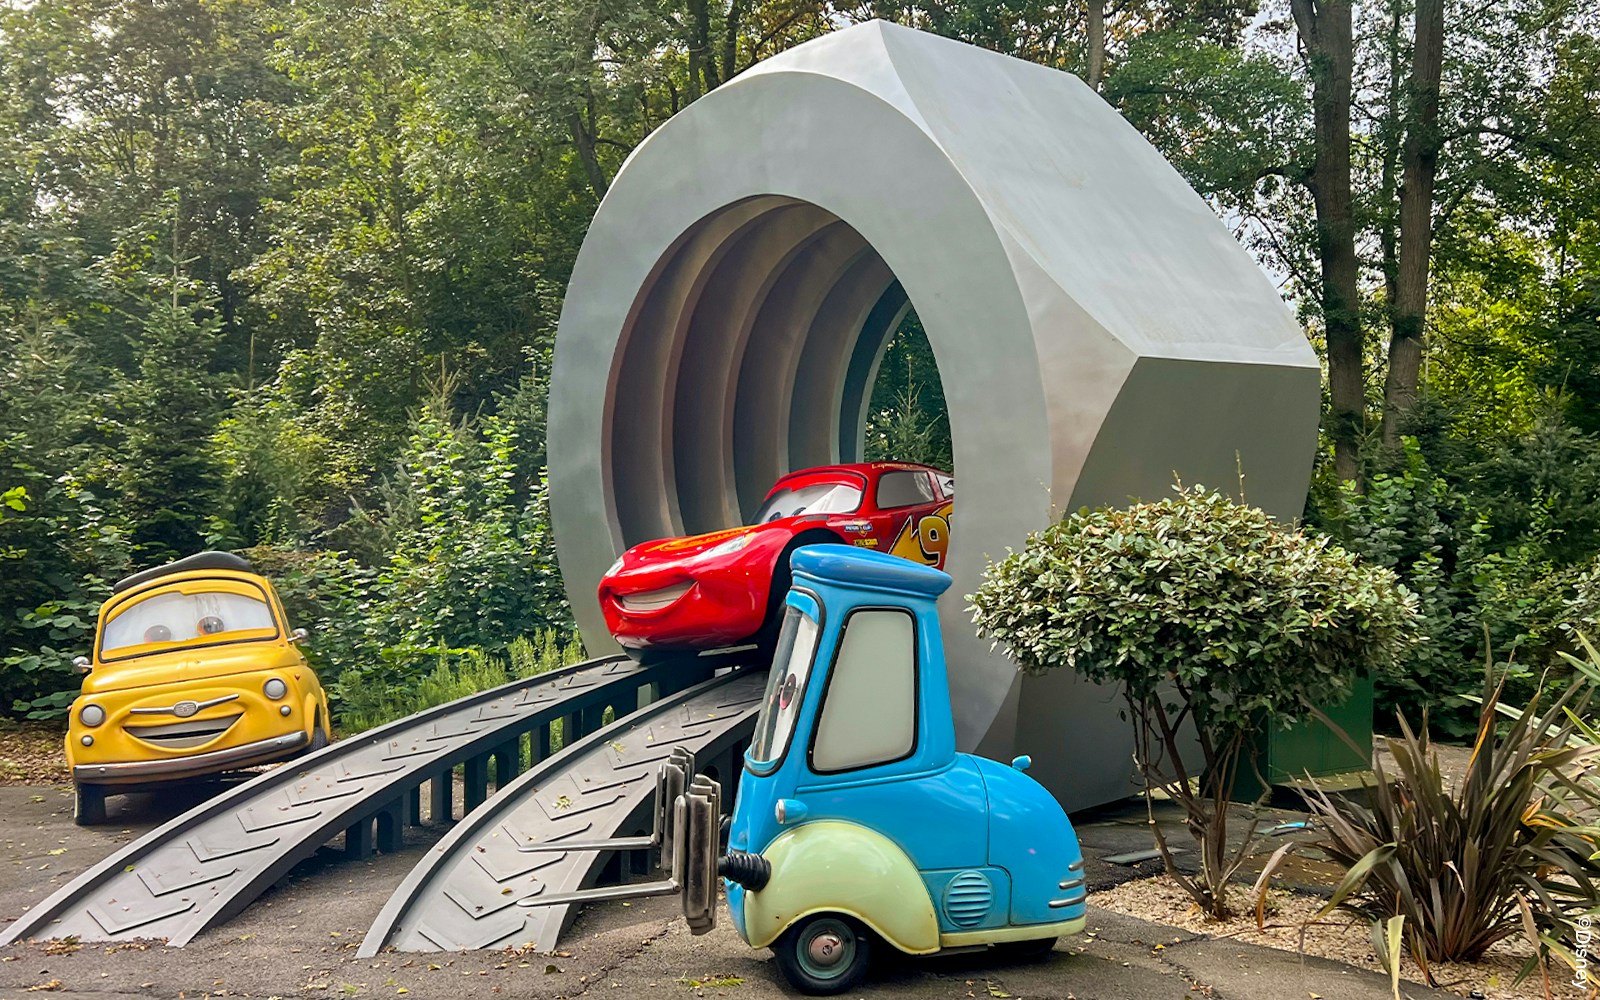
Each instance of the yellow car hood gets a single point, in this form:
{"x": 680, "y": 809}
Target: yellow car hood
{"x": 189, "y": 665}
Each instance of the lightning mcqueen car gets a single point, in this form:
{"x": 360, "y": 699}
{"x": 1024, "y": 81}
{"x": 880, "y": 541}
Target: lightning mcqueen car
{"x": 726, "y": 588}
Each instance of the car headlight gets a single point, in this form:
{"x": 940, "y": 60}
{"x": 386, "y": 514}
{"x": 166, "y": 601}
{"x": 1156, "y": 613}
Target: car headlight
{"x": 275, "y": 688}
{"x": 729, "y": 547}
{"x": 92, "y": 715}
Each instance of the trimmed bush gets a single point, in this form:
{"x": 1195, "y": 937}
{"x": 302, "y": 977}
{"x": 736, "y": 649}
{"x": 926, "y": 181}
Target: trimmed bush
{"x": 1202, "y": 612}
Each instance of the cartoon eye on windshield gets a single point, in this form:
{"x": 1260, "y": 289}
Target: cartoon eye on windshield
{"x": 158, "y": 633}
{"x": 790, "y": 684}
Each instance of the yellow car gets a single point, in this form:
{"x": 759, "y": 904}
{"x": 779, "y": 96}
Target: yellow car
{"x": 195, "y": 671}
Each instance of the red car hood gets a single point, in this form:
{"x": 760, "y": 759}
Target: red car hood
{"x": 681, "y": 548}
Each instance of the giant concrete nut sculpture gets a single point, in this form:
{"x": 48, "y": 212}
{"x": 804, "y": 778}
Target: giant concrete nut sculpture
{"x": 1097, "y": 330}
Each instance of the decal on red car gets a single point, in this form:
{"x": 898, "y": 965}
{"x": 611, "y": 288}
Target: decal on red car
{"x": 925, "y": 539}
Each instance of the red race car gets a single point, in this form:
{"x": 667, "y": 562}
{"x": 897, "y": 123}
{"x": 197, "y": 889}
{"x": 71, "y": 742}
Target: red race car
{"x": 727, "y": 588}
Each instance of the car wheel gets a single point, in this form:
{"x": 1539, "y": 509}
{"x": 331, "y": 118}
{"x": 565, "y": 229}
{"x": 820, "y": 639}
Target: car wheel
{"x": 766, "y": 640}
{"x": 319, "y": 735}
{"x": 649, "y": 656}
{"x": 1022, "y": 951}
{"x": 824, "y": 954}
{"x": 88, "y": 805}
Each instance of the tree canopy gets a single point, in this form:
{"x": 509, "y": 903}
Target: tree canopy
{"x": 260, "y": 264}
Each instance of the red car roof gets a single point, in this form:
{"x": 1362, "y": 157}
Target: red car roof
{"x": 854, "y": 468}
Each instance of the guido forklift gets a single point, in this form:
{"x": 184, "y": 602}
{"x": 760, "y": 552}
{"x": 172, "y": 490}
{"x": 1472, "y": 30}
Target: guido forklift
{"x": 857, "y": 824}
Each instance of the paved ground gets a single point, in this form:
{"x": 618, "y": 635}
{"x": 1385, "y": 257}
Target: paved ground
{"x": 299, "y": 940}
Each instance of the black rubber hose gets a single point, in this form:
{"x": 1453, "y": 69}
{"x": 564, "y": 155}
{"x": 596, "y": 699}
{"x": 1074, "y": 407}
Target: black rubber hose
{"x": 749, "y": 870}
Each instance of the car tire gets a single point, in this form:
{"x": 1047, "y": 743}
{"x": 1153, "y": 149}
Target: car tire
{"x": 652, "y": 655}
{"x": 88, "y": 805}
{"x": 319, "y": 735}
{"x": 824, "y": 954}
{"x": 1025, "y": 951}
{"x": 766, "y": 640}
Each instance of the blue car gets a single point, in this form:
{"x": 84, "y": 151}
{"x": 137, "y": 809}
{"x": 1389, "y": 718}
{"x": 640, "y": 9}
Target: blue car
{"x": 857, "y": 822}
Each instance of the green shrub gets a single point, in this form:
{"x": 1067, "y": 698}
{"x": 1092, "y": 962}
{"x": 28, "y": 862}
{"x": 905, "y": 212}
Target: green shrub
{"x": 58, "y": 554}
{"x": 1581, "y": 616}
{"x": 1200, "y": 611}
{"x": 542, "y": 652}
{"x": 1478, "y": 585}
{"x": 456, "y": 673}
{"x": 1472, "y": 863}
{"x": 329, "y": 595}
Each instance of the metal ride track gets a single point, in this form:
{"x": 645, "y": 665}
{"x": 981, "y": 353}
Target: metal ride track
{"x": 480, "y": 887}
{"x": 201, "y": 868}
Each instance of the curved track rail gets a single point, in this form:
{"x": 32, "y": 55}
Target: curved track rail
{"x": 205, "y": 866}
{"x": 480, "y": 888}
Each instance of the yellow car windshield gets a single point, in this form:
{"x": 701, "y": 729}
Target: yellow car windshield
{"x": 198, "y": 612}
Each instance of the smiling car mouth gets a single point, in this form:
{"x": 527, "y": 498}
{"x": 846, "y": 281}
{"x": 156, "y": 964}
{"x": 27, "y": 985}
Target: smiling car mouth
{"x": 646, "y": 602}
{"x": 183, "y": 735}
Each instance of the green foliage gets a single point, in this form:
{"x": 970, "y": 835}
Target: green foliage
{"x": 1247, "y": 618}
{"x": 1582, "y": 612}
{"x": 907, "y": 418}
{"x": 168, "y": 473}
{"x": 461, "y": 532}
{"x": 1474, "y": 860}
{"x": 462, "y": 567}
{"x": 1202, "y": 612}
{"x": 350, "y": 199}
{"x": 1225, "y": 118}
{"x": 456, "y": 674}
{"x": 56, "y": 556}
{"x": 329, "y": 595}
{"x": 1486, "y": 549}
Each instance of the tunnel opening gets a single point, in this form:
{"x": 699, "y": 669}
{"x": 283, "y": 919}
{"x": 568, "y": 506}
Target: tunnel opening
{"x": 755, "y": 347}
{"x": 907, "y": 418}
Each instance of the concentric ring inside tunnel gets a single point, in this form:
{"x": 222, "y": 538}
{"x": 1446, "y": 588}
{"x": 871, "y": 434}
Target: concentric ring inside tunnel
{"x": 750, "y": 351}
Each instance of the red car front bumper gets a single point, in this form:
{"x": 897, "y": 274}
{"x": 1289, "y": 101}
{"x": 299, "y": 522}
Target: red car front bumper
{"x": 722, "y": 605}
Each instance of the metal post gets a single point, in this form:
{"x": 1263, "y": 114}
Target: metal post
{"x": 475, "y": 779}
{"x": 442, "y": 798}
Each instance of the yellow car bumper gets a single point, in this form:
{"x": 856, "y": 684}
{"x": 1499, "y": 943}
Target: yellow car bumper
{"x": 259, "y": 752}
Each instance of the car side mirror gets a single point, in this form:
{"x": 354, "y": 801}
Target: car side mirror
{"x": 82, "y": 663}
{"x": 299, "y": 635}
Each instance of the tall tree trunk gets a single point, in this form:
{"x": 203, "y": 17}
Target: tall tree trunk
{"x": 1420, "y": 158}
{"x": 698, "y": 18}
{"x": 1097, "y": 43}
{"x": 730, "y": 39}
{"x": 1325, "y": 29}
{"x": 583, "y": 139}
{"x": 1389, "y": 175}
{"x": 702, "y": 62}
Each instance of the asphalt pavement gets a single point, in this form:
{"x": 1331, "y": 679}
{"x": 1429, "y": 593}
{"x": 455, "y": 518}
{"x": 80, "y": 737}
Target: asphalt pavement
{"x": 299, "y": 940}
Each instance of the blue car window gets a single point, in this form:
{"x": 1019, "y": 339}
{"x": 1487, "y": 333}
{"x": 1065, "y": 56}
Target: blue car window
{"x": 786, "y": 686}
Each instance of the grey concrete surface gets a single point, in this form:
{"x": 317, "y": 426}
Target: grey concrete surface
{"x": 300, "y": 939}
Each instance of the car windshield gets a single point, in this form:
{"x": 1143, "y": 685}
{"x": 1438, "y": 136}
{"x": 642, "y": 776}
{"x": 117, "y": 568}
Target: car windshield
{"x": 196, "y": 612}
{"x": 812, "y": 498}
{"x": 786, "y": 686}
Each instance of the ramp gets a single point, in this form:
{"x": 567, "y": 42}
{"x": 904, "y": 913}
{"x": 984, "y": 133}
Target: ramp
{"x": 205, "y": 866}
{"x": 479, "y": 887}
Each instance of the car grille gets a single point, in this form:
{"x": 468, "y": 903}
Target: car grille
{"x": 183, "y": 735}
{"x": 653, "y": 600}
{"x": 967, "y": 898}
